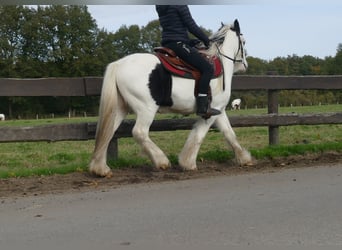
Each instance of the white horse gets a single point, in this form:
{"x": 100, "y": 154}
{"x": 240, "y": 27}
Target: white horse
{"x": 2, "y": 117}
{"x": 236, "y": 104}
{"x": 127, "y": 86}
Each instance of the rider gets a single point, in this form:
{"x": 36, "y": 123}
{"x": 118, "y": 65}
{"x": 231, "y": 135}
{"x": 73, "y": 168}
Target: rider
{"x": 176, "y": 21}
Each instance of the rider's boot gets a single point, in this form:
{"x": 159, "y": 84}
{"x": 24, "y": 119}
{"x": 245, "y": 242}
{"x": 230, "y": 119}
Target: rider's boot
{"x": 203, "y": 108}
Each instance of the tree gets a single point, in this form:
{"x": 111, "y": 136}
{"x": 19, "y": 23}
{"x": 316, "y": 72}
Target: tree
{"x": 48, "y": 41}
{"x": 70, "y": 38}
{"x": 256, "y": 66}
{"x": 279, "y": 65}
{"x": 104, "y": 51}
{"x": 338, "y": 60}
{"x": 127, "y": 41}
{"x": 151, "y": 36}
{"x": 11, "y": 20}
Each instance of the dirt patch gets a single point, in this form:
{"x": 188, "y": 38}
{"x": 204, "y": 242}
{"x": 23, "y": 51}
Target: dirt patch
{"x": 78, "y": 182}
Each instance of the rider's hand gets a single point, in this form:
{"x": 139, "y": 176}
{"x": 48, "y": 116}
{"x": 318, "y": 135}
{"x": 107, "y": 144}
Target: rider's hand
{"x": 194, "y": 42}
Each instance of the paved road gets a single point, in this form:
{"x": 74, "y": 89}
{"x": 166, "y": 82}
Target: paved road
{"x": 290, "y": 207}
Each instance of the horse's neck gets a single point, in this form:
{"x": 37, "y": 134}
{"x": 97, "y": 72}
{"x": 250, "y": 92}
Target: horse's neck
{"x": 228, "y": 49}
{"x": 228, "y": 66}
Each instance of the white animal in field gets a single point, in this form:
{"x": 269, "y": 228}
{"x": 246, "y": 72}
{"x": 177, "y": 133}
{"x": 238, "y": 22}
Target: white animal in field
{"x": 2, "y": 117}
{"x": 236, "y": 104}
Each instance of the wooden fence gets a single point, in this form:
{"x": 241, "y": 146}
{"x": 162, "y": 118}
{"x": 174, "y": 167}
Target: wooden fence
{"x": 91, "y": 86}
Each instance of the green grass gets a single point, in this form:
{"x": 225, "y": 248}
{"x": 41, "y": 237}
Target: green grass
{"x": 296, "y": 109}
{"x": 35, "y": 122}
{"x": 287, "y": 150}
{"x": 43, "y": 158}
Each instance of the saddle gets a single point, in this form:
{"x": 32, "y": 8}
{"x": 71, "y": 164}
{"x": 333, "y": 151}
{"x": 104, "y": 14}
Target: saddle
{"x": 176, "y": 66}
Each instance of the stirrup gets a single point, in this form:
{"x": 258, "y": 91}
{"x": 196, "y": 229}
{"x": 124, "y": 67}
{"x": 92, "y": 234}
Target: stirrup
{"x": 210, "y": 112}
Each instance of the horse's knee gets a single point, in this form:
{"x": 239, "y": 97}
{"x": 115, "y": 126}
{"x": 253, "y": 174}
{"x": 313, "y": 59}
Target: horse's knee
{"x": 138, "y": 134}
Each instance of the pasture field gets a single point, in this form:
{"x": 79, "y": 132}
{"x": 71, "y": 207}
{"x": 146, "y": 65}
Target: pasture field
{"x": 44, "y": 158}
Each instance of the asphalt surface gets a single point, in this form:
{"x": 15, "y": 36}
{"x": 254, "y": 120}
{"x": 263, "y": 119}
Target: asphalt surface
{"x": 291, "y": 207}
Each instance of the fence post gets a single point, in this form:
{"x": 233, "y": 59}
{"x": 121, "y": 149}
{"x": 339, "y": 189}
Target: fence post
{"x": 112, "y": 151}
{"x": 273, "y": 131}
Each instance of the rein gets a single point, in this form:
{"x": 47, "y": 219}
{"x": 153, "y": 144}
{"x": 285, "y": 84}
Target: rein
{"x": 219, "y": 41}
{"x": 234, "y": 60}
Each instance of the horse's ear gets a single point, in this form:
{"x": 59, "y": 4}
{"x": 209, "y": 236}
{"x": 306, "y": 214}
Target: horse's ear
{"x": 237, "y": 27}
{"x": 222, "y": 25}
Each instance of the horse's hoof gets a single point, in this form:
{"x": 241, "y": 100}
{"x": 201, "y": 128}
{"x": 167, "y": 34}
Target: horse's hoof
{"x": 109, "y": 175}
{"x": 249, "y": 164}
{"x": 252, "y": 162}
{"x": 102, "y": 172}
{"x": 164, "y": 166}
{"x": 192, "y": 168}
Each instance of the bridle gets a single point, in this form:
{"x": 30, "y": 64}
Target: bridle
{"x": 234, "y": 60}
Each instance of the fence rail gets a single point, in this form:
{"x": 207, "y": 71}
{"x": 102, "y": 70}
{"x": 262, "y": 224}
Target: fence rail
{"x": 91, "y": 86}
{"x": 86, "y": 131}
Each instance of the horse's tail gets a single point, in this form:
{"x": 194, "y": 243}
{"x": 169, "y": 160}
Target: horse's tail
{"x": 108, "y": 105}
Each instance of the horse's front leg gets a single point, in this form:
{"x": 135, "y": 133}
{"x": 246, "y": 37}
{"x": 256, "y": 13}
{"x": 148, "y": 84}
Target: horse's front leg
{"x": 188, "y": 156}
{"x": 243, "y": 157}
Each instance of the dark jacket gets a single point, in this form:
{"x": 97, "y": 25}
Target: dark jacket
{"x": 176, "y": 21}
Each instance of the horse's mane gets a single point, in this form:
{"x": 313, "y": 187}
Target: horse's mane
{"x": 218, "y": 37}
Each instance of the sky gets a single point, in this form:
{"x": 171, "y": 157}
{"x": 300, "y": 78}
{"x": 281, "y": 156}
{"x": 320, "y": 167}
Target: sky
{"x": 281, "y": 28}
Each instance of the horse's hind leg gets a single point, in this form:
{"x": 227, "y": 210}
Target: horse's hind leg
{"x": 140, "y": 133}
{"x": 243, "y": 157}
{"x": 188, "y": 156}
